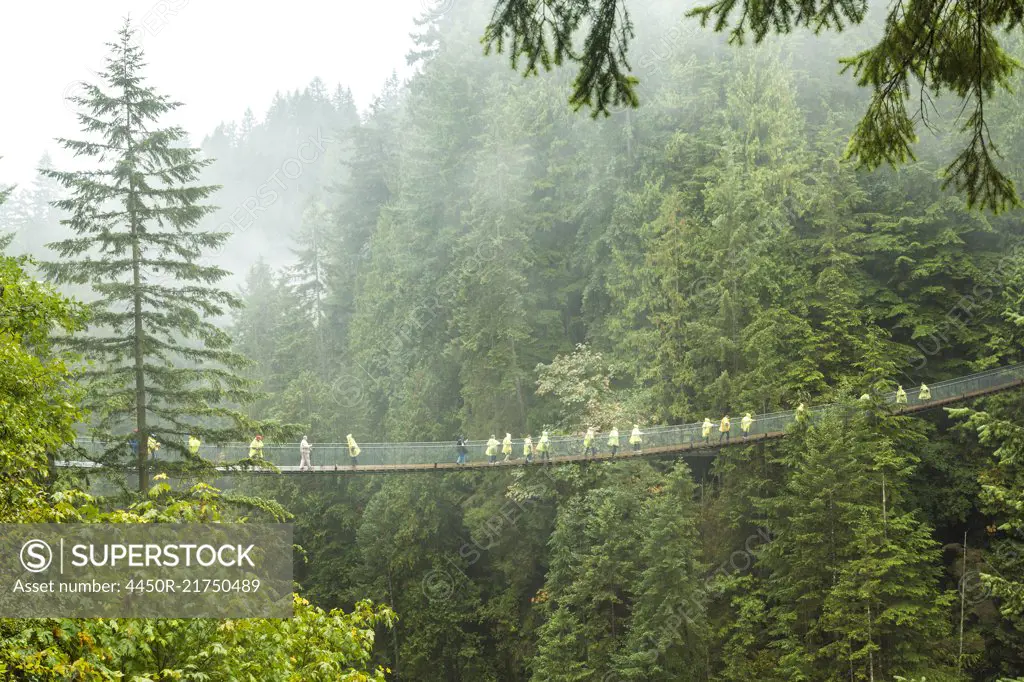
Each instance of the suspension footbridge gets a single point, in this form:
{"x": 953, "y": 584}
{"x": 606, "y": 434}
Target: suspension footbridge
{"x": 682, "y": 439}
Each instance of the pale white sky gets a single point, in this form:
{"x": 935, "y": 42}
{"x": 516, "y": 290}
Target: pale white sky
{"x": 216, "y": 56}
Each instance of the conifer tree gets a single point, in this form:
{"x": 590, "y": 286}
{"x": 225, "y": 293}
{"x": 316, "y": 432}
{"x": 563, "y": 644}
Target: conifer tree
{"x": 43, "y": 221}
{"x": 1002, "y": 497}
{"x": 623, "y": 597}
{"x": 925, "y": 49}
{"x": 365, "y": 188}
{"x": 853, "y": 575}
{"x": 308, "y": 279}
{"x": 159, "y": 361}
{"x": 259, "y": 329}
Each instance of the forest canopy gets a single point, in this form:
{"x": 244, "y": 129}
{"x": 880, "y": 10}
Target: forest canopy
{"x": 469, "y": 256}
{"x": 926, "y": 49}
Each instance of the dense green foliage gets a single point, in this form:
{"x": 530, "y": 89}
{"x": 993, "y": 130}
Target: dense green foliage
{"x": 40, "y": 406}
{"x": 489, "y": 262}
{"x": 159, "y": 363}
{"x": 472, "y": 257}
{"x": 38, "y": 397}
{"x": 710, "y": 249}
{"x": 926, "y": 49}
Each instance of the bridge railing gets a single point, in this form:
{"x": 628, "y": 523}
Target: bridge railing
{"x": 336, "y": 454}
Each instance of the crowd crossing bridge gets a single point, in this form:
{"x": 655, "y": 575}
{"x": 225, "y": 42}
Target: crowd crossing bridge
{"x": 375, "y": 458}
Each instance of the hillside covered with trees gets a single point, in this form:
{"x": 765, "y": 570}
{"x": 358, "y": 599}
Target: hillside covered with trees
{"x": 490, "y": 261}
{"x": 470, "y": 256}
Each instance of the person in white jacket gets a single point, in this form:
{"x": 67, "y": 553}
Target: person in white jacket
{"x": 304, "y": 448}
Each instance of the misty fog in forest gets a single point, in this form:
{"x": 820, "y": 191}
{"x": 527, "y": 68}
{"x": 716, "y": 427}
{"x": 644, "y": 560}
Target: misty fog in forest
{"x": 597, "y": 307}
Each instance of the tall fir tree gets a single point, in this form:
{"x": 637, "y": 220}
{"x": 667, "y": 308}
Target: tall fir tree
{"x": 853, "y": 575}
{"x": 258, "y": 328}
{"x": 623, "y": 595}
{"x": 159, "y": 361}
{"x": 308, "y": 279}
{"x": 998, "y": 431}
{"x": 43, "y": 221}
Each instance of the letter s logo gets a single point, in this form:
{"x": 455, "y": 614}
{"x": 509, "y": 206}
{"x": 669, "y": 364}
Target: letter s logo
{"x": 36, "y": 556}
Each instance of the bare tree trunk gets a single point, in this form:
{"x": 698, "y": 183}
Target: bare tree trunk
{"x": 871, "y": 654}
{"x": 885, "y": 519}
{"x": 140, "y": 377}
{"x": 394, "y": 628}
{"x": 963, "y": 591}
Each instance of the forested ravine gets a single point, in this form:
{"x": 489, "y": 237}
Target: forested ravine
{"x": 470, "y": 257}
{"x": 489, "y": 261}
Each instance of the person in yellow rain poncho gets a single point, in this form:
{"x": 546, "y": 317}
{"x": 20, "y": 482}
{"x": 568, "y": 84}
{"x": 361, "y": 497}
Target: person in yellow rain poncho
{"x": 492, "y": 449}
{"x": 544, "y": 447}
{"x": 924, "y": 394}
{"x": 506, "y": 446}
{"x": 613, "y": 440}
{"x": 353, "y": 450}
{"x": 256, "y": 448}
{"x": 153, "y": 446}
{"x": 588, "y": 443}
{"x": 745, "y": 424}
{"x": 705, "y": 430}
{"x": 193, "y": 445}
{"x": 801, "y": 413}
{"x": 723, "y": 429}
{"x": 901, "y": 396}
{"x": 528, "y": 448}
{"x": 636, "y": 438}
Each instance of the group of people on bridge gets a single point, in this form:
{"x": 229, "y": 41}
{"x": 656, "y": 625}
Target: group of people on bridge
{"x": 542, "y": 449}
{"x": 193, "y": 444}
{"x": 305, "y": 450}
{"x": 924, "y": 393}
